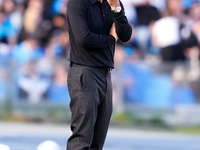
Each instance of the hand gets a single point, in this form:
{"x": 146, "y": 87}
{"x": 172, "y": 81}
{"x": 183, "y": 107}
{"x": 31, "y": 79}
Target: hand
{"x": 113, "y": 32}
{"x": 113, "y": 4}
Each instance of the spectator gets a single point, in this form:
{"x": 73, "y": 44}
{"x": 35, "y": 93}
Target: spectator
{"x": 45, "y": 66}
{"x": 32, "y": 87}
{"x": 59, "y": 23}
{"x": 7, "y": 29}
{"x": 5, "y": 53}
{"x": 32, "y": 20}
{"x": 146, "y": 14}
{"x": 175, "y": 8}
{"x": 13, "y": 16}
{"x": 171, "y": 34}
{"x": 58, "y": 90}
{"x": 64, "y": 43}
{"x": 27, "y": 50}
{"x": 194, "y": 22}
{"x": 58, "y": 46}
{"x": 47, "y": 14}
{"x": 59, "y": 6}
{"x": 166, "y": 35}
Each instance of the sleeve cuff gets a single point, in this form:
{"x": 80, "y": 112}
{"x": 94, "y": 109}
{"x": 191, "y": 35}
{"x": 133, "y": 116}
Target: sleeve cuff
{"x": 117, "y": 15}
{"x": 111, "y": 40}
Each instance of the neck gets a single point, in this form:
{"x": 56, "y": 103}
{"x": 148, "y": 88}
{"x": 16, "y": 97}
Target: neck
{"x": 100, "y": 1}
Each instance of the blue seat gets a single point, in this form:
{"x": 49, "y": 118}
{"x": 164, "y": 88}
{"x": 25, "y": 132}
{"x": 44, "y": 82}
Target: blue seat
{"x": 182, "y": 96}
{"x": 158, "y": 93}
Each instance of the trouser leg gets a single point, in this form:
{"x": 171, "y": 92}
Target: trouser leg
{"x": 90, "y": 114}
{"x": 103, "y": 118}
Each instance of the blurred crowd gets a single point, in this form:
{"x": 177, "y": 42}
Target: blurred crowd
{"x": 34, "y": 45}
{"x": 159, "y": 66}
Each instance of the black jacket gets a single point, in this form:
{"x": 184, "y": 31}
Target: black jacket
{"x": 89, "y": 24}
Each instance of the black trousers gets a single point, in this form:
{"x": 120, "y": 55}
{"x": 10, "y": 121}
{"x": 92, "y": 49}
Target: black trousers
{"x": 90, "y": 90}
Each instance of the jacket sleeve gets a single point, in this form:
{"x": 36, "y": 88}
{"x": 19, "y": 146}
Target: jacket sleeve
{"x": 123, "y": 28}
{"x": 76, "y": 16}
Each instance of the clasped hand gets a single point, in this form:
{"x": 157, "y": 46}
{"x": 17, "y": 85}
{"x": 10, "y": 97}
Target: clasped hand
{"x": 113, "y": 3}
{"x": 113, "y": 32}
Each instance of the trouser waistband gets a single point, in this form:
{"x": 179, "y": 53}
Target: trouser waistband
{"x": 108, "y": 69}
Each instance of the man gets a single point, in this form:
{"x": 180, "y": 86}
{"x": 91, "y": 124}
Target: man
{"x": 94, "y": 26}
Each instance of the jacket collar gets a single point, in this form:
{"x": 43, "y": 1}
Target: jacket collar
{"x": 94, "y": 1}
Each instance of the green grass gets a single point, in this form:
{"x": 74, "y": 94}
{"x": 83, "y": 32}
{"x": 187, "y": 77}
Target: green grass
{"x": 127, "y": 119}
{"x": 188, "y": 129}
